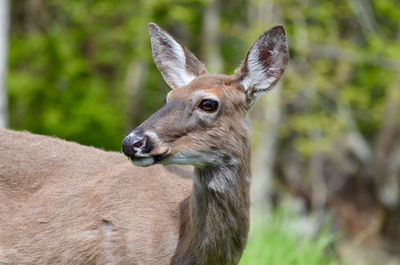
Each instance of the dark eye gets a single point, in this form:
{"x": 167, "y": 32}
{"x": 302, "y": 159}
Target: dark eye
{"x": 209, "y": 105}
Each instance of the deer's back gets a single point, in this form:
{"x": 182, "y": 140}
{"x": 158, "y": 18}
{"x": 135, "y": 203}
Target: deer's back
{"x": 78, "y": 204}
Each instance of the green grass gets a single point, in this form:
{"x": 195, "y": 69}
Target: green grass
{"x": 272, "y": 243}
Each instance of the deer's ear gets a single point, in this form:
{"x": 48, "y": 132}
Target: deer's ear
{"x": 264, "y": 63}
{"x": 176, "y": 63}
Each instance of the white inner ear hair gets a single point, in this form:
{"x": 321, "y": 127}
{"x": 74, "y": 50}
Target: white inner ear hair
{"x": 259, "y": 77}
{"x": 176, "y": 64}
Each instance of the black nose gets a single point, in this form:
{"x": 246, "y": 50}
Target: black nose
{"x": 131, "y": 143}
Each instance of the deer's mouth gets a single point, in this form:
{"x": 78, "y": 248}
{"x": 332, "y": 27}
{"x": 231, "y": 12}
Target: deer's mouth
{"x": 160, "y": 157}
{"x": 145, "y": 161}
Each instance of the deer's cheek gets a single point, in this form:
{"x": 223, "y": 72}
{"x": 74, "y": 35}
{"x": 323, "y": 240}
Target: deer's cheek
{"x": 182, "y": 145}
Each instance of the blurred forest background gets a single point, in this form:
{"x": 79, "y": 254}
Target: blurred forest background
{"x": 326, "y": 139}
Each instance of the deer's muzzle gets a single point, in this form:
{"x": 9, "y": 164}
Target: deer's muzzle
{"x": 137, "y": 144}
{"x": 140, "y": 148}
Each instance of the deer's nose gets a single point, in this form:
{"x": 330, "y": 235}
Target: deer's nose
{"x": 132, "y": 144}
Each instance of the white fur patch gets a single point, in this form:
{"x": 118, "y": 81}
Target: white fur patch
{"x": 171, "y": 59}
{"x": 178, "y": 67}
{"x": 143, "y": 162}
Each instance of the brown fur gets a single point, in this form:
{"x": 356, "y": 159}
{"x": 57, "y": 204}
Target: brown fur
{"x": 81, "y": 205}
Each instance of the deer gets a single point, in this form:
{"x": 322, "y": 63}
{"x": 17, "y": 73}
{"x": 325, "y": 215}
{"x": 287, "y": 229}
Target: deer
{"x": 180, "y": 192}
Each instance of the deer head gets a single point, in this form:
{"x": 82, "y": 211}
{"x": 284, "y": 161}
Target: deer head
{"x": 204, "y": 120}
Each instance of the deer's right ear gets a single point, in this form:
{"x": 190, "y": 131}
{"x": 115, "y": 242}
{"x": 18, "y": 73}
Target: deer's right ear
{"x": 176, "y": 63}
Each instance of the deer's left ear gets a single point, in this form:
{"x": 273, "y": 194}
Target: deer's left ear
{"x": 176, "y": 63}
{"x": 264, "y": 64}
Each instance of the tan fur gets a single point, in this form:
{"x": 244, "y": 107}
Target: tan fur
{"x": 81, "y": 205}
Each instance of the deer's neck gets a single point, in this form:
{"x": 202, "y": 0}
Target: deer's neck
{"x": 219, "y": 212}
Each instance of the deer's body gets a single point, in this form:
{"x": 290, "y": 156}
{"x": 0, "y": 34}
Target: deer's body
{"x": 63, "y": 203}
{"x": 79, "y": 205}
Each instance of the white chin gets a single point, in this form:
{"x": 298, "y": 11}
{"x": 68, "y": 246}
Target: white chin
{"x": 143, "y": 162}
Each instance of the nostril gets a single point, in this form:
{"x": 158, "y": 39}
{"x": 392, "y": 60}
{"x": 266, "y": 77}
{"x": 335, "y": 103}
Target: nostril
{"x": 132, "y": 143}
{"x": 139, "y": 142}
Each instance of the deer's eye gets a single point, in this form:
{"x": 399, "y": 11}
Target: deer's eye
{"x": 208, "y": 105}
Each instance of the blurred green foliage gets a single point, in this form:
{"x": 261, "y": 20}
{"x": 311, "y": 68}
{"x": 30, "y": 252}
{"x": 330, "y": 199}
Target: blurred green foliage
{"x": 275, "y": 241}
{"x": 69, "y": 63}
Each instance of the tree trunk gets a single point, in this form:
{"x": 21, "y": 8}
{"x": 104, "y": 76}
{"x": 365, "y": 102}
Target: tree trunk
{"x": 210, "y": 45}
{"x": 134, "y": 81}
{"x": 4, "y": 25}
{"x": 386, "y": 164}
{"x": 260, "y": 15}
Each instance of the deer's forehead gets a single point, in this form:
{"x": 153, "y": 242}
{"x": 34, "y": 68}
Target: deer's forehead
{"x": 221, "y": 87}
